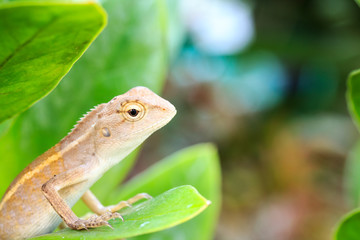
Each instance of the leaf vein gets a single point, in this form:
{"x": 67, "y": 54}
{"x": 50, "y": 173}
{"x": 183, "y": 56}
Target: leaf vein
{"x": 21, "y": 46}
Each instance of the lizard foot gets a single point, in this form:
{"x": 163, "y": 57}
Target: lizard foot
{"x": 95, "y": 221}
{"x": 128, "y": 203}
{"x": 139, "y": 197}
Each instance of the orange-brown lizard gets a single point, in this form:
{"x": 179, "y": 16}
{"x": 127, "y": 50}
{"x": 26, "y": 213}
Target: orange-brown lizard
{"x": 44, "y": 192}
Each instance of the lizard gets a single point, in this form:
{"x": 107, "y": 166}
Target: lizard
{"x": 42, "y": 195}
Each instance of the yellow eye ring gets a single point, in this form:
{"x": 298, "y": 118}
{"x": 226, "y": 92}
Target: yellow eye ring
{"x": 133, "y": 111}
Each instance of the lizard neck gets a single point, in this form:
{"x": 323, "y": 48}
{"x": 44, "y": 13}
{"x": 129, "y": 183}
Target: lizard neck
{"x": 82, "y": 130}
{"x": 118, "y": 151}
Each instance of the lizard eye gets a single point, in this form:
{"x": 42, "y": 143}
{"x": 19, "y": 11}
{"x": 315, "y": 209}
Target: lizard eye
{"x": 133, "y": 111}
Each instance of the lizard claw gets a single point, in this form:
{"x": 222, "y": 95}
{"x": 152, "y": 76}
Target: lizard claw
{"x": 95, "y": 221}
{"x": 118, "y": 215}
{"x": 78, "y": 225}
{"x": 107, "y": 224}
{"x": 111, "y": 215}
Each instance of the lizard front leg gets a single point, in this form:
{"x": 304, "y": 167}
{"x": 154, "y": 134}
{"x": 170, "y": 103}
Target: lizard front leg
{"x": 70, "y": 178}
{"x": 95, "y": 205}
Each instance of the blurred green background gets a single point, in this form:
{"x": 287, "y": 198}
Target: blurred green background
{"x": 264, "y": 81}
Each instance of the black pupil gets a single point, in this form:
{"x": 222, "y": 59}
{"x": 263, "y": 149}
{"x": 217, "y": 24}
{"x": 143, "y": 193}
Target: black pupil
{"x": 133, "y": 112}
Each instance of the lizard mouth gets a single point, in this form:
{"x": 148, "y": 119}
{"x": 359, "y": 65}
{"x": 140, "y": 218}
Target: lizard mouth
{"x": 162, "y": 122}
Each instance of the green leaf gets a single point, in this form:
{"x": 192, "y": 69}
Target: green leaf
{"x": 348, "y": 227}
{"x": 39, "y": 44}
{"x": 128, "y": 53}
{"x": 164, "y": 211}
{"x": 198, "y": 166}
{"x": 353, "y": 96}
{"x": 4, "y": 126}
{"x": 352, "y": 176}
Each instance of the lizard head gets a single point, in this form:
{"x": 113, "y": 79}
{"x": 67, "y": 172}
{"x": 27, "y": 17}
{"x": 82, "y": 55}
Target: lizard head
{"x": 128, "y": 119}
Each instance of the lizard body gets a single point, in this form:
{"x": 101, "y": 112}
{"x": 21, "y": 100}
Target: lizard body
{"x": 43, "y": 193}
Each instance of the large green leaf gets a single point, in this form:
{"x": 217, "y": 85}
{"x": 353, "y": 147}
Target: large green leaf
{"x": 39, "y": 43}
{"x": 198, "y": 166}
{"x": 129, "y": 52}
{"x": 166, "y": 210}
{"x": 348, "y": 227}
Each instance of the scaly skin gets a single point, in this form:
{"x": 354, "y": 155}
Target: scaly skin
{"x": 42, "y": 195}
